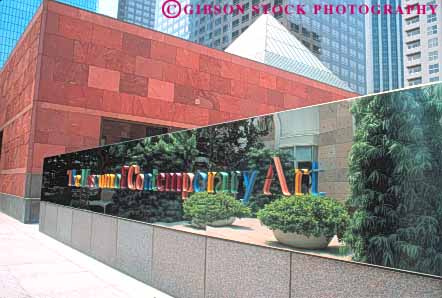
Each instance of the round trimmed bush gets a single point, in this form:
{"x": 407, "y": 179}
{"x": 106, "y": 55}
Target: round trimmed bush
{"x": 203, "y": 208}
{"x": 306, "y": 215}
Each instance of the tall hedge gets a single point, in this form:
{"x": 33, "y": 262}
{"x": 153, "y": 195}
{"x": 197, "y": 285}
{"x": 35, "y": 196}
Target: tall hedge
{"x": 396, "y": 180}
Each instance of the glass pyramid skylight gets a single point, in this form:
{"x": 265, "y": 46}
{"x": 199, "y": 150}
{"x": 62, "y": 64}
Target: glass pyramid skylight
{"x": 269, "y": 42}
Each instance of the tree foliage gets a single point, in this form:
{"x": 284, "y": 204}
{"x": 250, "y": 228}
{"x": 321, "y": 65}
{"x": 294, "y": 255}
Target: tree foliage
{"x": 395, "y": 177}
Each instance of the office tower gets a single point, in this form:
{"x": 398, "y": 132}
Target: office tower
{"x": 15, "y": 15}
{"x": 337, "y": 40}
{"x": 179, "y": 26}
{"x": 139, "y": 12}
{"x": 384, "y": 49}
{"x": 422, "y": 46}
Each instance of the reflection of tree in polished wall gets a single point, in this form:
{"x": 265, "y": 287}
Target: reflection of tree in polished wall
{"x": 395, "y": 177}
{"x": 167, "y": 153}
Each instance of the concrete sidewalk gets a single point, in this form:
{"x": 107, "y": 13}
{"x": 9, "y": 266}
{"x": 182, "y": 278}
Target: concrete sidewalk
{"x": 34, "y": 265}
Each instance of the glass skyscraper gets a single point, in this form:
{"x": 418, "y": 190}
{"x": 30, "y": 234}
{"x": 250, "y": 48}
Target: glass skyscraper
{"x": 15, "y": 16}
{"x": 139, "y": 12}
{"x": 337, "y": 40}
{"x": 385, "y": 49}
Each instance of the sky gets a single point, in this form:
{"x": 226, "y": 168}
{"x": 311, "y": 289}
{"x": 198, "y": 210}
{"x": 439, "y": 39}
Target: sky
{"x": 108, "y": 7}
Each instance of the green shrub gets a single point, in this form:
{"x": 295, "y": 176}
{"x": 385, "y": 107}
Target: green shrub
{"x": 307, "y": 215}
{"x": 203, "y": 208}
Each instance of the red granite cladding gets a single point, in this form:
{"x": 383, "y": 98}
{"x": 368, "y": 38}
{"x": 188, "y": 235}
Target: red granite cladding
{"x": 17, "y": 85}
{"x": 13, "y": 184}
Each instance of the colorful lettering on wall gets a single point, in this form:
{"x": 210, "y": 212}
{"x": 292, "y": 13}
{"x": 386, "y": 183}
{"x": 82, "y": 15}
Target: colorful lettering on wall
{"x": 131, "y": 177}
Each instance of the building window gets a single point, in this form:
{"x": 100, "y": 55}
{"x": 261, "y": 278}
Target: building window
{"x": 434, "y": 79}
{"x": 432, "y": 30}
{"x": 245, "y": 18}
{"x": 432, "y": 56}
{"x": 414, "y": 69}
{"x": 235, "y": 34}
{"x": 412, "y": 20}
{"x": 431, "y": 18}
{"x": 432, "y": 43}
{"x": 235, "y": 23}
{"x": 416, "y": 81}
{"x": 414, "y": 57}
{"x": 413, "y": 44}
{"x": 413, "y": 32}
{"x": 433, "y": 68}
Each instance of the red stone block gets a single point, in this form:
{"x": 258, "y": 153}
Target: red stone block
{"x": 75, "y": 29}
{"x": 283, "y": 85}
{"x": 161, "y": 90}
{"x": 184, "y": 94}
{"x": 210, "y": 65}
{"x": 239, "y": 89}
{"x": 106, "y": 79}
{"x": 177, "y": 74}
{"x": 47, "y": 68}
{"x": 136, "y": 46}
{"x": 95, "y": 54}
{"x": 52, "y": 23}
{"x": 71, "y": 73}
{"x": 216, "y": 117}
{"x": 152, "y": 108}
{"x": 119, "y": 60}
{"x": 107, "y": 37}
{"x": 249, "y": 75}
{"x": 41, "y": 137}
{"x": 187, "y": 58}
{"x": 83, "y": 124}
{"x": 206, "y": 99}
{"x": 80, "y": 51}
{"x": 133, "y": 84}
{"x": 40, "y": 151}
{"x": 220, "y": 85}
{"x": 300, "y": 89}
{"x": 190, "y": 114}
{"x": 94, "y": 98}
{"x": 275, "y": 98}
{"x": 163, "y": 52}
{"x": 256, "y": 93}
{"x": 111, "y": 101}
{"x": 248, "y": 108}
{"x": 127, "y": 104}
{"x": 200, "y": 80}
{"x": 292, "y": 101}
{"x": 267, "y": 80}
{"x": 50, "y": 120}
{"x": 57, "y": 46}
{"x": 229, "y": 104}
{"x": 149, "y": 68}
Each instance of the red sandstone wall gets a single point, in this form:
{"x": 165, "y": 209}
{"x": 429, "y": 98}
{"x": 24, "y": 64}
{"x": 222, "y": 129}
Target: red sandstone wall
{"x": 17, "y": 84}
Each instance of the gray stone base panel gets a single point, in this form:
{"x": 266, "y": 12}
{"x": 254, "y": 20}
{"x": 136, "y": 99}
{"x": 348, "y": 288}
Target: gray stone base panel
{"x": 189, "y": 265}
{"x": 25, "y": 210}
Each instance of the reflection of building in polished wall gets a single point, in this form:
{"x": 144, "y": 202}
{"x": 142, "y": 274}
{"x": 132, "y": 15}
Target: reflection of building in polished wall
{"x": 422, "y": 46}
{"x": 324, "y": 134}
